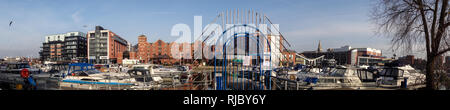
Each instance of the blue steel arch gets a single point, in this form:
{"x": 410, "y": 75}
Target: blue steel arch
{"x": 225, "y": 62}
{"x": 222, "y": 84}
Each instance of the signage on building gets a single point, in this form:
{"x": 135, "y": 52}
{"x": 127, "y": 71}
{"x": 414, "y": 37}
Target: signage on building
{"x": 103, "y": 57}
{"x": 129, "y": 62}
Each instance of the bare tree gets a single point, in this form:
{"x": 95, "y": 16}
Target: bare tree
{"x": 416, "y": 22}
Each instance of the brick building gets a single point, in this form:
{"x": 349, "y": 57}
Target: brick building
{"x": 105, "y": 47}
{"x": 288, "y": 58}
{"x": 158, "y": 52}
{"x": 407, "y": 60}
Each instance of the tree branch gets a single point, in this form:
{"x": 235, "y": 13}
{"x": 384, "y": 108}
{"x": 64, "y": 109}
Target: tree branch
{"x": 443, "y": 51}
{"x": 442, "y": 27}
{"x": 425, "y": 27}
{"x": 433, "y": 24}
{"x": 414, "y": 5}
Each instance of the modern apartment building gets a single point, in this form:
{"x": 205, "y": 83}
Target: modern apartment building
{"x": 75, "y": 47}
{"x": 105, "y": 47}
{"x": 66, "y": 47}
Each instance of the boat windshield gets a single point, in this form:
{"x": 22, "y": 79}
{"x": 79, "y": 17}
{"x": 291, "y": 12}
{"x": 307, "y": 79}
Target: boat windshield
{"x": 18, "y": 66}
{"x": 23, "y": 66}
{"x": 156, "y": 67}
{"x": 340, "y": 71}
{"x": 392, "y": 72}
{"x": 332, "y": 70}
{"x": 85, "y": 73}
{"x": 137, "y": 72}
{"x": 140, "y": 75}
{"x": 93, "y": 71}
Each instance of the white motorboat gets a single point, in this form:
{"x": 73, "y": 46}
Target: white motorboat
{"x": 395, "y": 76}
{"x": 85, "y": 76}
{"x": 155, "y": 76}
{"x": 340, "y": 77}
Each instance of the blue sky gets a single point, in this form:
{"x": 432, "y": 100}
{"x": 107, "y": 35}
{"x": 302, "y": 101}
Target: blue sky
{"x": 302, "y": 22}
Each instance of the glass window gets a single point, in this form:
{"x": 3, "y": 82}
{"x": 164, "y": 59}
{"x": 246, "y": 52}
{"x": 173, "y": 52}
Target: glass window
{"x": 397, "y": 73}
{"x": 383, "y": 72}
{"x": 400, "y": 73}
{"x": 104, "y": 34}
{"x": 369, "y": 75}
{"x": 363, "y": 75}
{"x": 340, "y": 71}
{"x": 387, "y": 72}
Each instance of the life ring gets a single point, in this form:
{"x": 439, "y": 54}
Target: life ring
{"x": 24, "y": 73}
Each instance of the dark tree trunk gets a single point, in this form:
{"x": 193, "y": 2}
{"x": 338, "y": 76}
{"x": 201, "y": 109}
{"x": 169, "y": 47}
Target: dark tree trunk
{"x": 431, "y": 83}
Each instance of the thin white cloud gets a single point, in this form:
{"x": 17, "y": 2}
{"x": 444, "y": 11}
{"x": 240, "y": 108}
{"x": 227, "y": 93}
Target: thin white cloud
{"x": 76, "y": 17}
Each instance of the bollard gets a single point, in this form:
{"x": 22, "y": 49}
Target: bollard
{"x": 404, "y": 83}
{"x": 285, "y": 85}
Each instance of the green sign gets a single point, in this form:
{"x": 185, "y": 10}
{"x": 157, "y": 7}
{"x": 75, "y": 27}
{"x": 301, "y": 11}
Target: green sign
{"x": 237, "y": 60}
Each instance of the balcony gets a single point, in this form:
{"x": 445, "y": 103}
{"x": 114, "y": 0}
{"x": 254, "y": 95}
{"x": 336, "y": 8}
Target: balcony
{"x": 71, "y": 39}
{"x": 45, "y": 50}
{"x": 71, "y": 52}
{"x": 71, "y": 43}
{"x": 73, "y": 48}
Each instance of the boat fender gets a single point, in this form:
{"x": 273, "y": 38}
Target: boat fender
{"x": 24, "y": 73}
